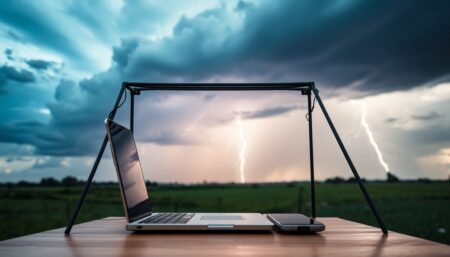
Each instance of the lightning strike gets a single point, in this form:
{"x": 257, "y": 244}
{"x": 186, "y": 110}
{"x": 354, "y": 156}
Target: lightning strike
{"x": 374, "y": 144}
{"x": 243, "y": 150}
{"x": 194, "y": 124}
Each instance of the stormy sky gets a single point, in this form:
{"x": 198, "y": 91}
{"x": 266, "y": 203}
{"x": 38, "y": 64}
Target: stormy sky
{"x": 62, "y": 64}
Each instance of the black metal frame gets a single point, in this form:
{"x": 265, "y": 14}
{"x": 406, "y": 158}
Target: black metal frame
{"x": 306, "y": 88}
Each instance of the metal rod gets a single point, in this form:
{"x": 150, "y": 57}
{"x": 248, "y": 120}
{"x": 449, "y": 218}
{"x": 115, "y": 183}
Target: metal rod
{"x": 132, "y": 111}
{"x": 93, "y": 170}
{"x": 218, "y": 86}
{"x": 350, "y": 163}
{"x": 86, "y": 187}
{"x": 311, "y": 157}
{"x": 199, "y": 88}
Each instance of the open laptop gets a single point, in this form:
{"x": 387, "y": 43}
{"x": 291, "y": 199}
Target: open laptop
{"x": 137, "y": 205}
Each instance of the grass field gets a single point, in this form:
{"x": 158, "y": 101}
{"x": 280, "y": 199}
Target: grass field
{"x": 418, "y": 209}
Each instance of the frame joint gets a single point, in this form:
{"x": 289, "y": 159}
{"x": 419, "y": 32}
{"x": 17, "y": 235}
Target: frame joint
{"x": 305, "y": 91}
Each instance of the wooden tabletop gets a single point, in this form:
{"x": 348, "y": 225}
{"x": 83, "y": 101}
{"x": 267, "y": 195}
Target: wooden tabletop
{"x": 107, "y": 237}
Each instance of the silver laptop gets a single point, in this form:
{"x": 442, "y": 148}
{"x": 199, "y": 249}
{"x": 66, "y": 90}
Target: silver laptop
{"x": 137, "y": 205}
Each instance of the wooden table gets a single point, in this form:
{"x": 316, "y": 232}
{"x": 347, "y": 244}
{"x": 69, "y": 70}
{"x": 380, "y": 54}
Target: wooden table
{"x": 107, "y": 237}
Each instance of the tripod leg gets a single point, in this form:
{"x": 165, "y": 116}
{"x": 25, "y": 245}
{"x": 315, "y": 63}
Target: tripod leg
{"x": 74, "y": 215}
{"x": 86, "y": 187}
{"x": 311, "y": 158}
{"x": 350, "y": 163}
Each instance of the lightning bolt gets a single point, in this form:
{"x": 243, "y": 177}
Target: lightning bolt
{"x": 194, "y": 124}
{"x": 244, "y": 146}
{"x": 190, "y": 128}
{"x": 374, "y": 144}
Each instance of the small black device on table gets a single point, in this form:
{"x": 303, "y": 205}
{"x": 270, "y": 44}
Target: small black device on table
{"x": 295, "y": 222}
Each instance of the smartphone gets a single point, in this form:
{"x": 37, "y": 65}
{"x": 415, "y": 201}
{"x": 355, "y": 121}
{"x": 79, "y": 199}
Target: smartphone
{"x": 295, "y": 222}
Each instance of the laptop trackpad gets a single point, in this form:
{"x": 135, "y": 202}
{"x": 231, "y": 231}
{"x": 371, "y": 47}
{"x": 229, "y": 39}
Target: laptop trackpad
{"x": 221, "y": 217}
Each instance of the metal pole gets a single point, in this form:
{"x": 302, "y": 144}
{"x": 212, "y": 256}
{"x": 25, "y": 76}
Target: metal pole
{"x": 132, "y": 111}
{"x": 311, "y": 157}
{"x": 218, "y": 86}
{"x": 350, "y": 163}
{"x": 93, "y": 170}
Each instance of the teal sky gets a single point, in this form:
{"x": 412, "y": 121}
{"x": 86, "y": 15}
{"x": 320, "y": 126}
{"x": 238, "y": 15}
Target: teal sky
{"x": 62, "y": 63}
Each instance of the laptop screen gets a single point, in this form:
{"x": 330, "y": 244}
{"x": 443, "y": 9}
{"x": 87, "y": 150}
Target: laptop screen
{"x": 130, "y": 174}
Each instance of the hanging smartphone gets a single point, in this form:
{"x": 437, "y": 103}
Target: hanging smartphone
{"x": 294, "y": 222}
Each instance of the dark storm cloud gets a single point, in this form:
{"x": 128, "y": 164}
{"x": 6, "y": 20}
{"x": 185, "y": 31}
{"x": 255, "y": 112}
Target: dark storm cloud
{"x": 370, "y": 46}
{"x": 374, "y": 43}
{"x": 437, "y": 135}
{"x": 18, "y": 159}
{"x": 47, "y": 163}
{"x": 39, "y": 64}
{"x": 76, "y": 125}
{"x": 253, "y": 114}
{"x": 373, "y": 46}
{"x": 66, "y": 91}
{"x": 29, "y": 124}
{"x": 77, "y": 118}
{"x": 8, "y": 73}
{"x": 11, "y": 73}
{"x": 92, "y": 15}
{"x": 77, "y": 114}
{"x": 17, "y": 133}
{"x": 168, "y": 137}
{"x": 269, "y": 112}
{"x": 9, "y": 54}
{"x": 14, "y": 36}
{"x": 194, "y": 51}
{"x": 34, "y": 26}
{"x": 120, "y": 54}
{"x": 15, "y": 150}
{"x": 391, "y": 120}
{"x": 430, "y": 116}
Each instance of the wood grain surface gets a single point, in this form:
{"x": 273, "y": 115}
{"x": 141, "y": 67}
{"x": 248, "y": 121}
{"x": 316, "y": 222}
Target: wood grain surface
{"x": 107, "y": 237}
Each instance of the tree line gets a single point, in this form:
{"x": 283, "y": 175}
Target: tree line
{"x": 70, "y": 181}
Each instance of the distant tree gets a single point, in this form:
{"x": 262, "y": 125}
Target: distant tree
{"x": 69, "y": 181}
{"x": 24, "y": 184}
{"x": 424, "y": 180}
{"x": 391, "y": 178}
{"x": 335, "y": 180}
{"x": 255, "y": 185}
{"x": 49, "y": 182}
{"x": 149, "y": 183}
{"x": 290, "y": 184}
{"x": 351, "y": 180}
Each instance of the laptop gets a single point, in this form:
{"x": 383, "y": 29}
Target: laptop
{"x": 136, "y": 201}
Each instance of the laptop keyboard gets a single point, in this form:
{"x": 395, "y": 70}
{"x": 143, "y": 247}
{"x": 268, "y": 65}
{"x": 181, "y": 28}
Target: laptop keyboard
{"x": 168, "y": 218}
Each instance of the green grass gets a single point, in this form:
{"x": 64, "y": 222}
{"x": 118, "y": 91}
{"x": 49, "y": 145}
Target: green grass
{"x": 418, "y": 209}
